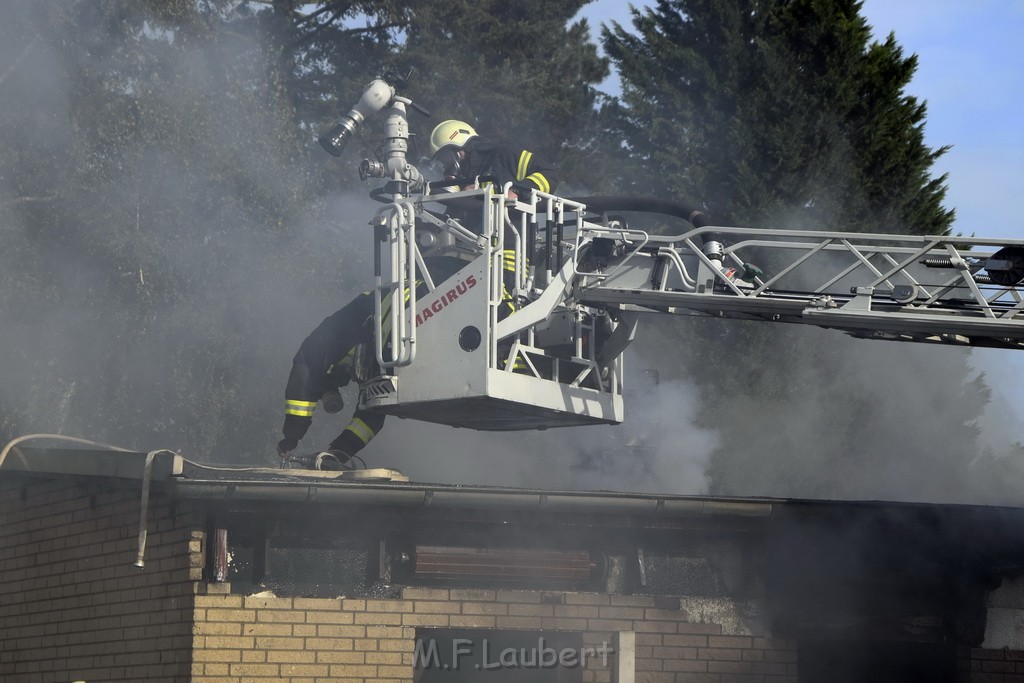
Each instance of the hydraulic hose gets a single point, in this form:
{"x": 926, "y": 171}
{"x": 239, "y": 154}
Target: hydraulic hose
{"x": 11, "y": 445}
{"x": 147, "y": 475}
{"x": 668, "y": 207}
{"x": 146, "y": 478}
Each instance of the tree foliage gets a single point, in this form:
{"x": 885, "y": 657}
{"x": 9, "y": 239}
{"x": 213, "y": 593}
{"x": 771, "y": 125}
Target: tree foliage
{"x": 522, "y": 72}
{"x": 172, "y": 230}
{"x": 770, "y": 111}
{"x": 154, "y": 171}
{"x": 783, "y": 113}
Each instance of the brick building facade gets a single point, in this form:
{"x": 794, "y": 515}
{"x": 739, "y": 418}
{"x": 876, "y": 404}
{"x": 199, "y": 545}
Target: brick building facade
{"x": 260, "y": 577}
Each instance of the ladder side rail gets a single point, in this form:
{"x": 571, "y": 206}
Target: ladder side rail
{"x": 1011, "y": 312}
{"x": 523, "y": 258}
{"x": 791, "y": 267}
{"x": 517, "y": 269}
{"x": 399, "y": 256}
{"x": 1003, "y": 291}
{"x": 902, "y": 265}
{"x": 863, "y": 258}
{"x": 944, "y": 288}
{"x": 858, "y": 252}
{"x": 823, "y": 289}
{"x": 866, "y": 261}
{"x": 713, "y": 267}
{"x": 671, "y": 251}
{"x": 910, "y": 322}
{"x": 408, "y": 293}
{"x": 930, "y": 244}
{"x": 398, "y": 280}
{"x": 531, "y": 245}
{"x": 423, "y": 271}
{"x": 897, "y": 270}
{"x": 390, "y": 288}
{"x": 559, "y": 233}
{"x": 494, "y": 233}
{"x": 519, "y": 247}
{"x": 452, "y": 226}
{"x": 589, "y": 231}
{"x": 549, "y": 237}
{"x": 906, "y": 241}
{"x": 968, "y": 277}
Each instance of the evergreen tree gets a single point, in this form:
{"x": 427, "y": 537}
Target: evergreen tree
{"x": 768, "y": 110}
{"x": 521, "y": 72}
{"x": 782, "y": 113}
{"x": 171, "y": 228}
{"x": 166, "y": 241}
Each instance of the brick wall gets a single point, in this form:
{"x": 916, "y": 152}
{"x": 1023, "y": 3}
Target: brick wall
{"x": 73, "y": 608}
{"x": 298, "y": 639}
{"x": 71, "y": 605}
{"x": 982, "y": 665}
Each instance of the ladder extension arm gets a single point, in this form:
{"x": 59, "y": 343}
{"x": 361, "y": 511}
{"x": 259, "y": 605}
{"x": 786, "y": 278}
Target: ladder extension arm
{"x": 950, "y": 290}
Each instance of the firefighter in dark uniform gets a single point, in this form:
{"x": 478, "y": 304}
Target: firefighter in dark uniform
{"x": 325, "y": 363}
{"x": 464, "y": 155}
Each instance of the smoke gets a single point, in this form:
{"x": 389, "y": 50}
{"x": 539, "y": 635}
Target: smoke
{"x": 658, "y": 449}
{"x": 820, "y": 414}
{"x": 160, "y": 295}
{"x": 166, "y": 252}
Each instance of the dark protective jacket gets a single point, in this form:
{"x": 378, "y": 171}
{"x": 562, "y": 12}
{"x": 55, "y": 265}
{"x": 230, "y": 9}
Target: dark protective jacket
{"x": 508, "y": 164}
{"x": 324, "y": 362}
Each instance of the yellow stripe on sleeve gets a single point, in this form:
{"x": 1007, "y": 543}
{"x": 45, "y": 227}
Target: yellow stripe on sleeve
{"x": 361, "y": 430}
{"x": 299, "y": 408}
{"x": 524, "y": 163}
{"x": 540, "y": 181}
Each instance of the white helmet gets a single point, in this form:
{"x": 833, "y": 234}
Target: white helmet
{"x": 450, "y": 133}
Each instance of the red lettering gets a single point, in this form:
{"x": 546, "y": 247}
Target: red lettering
{"x": 448, "y": 297}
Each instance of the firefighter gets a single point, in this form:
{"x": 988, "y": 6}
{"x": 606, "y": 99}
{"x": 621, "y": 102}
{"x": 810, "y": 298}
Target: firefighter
{"x": 324, "y": 363}
{"x": 463, "y": 154}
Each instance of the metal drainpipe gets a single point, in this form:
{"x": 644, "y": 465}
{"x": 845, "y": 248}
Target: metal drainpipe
{"x": 147, "y": 477}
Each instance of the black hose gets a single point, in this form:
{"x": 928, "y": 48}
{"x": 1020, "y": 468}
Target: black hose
{"x": 668, "y": 207}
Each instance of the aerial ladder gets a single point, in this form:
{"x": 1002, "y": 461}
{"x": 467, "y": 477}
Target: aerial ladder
{"x": 577, "y": 277}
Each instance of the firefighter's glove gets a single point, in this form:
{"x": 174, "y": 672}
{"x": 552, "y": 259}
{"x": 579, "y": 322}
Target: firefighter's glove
{"x": 286, "y": 446}
{"x": 523, "y": 193}
{"x": 332, "y": 402}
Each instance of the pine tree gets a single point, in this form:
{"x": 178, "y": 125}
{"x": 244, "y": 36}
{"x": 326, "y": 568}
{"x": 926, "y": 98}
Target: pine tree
{"x": 521, "y": 72}
{"x": 166, "y": 239}
{"x": 171, "y": 228}
{"x": 768, "y": 110}
{"x": 782, "y": 113}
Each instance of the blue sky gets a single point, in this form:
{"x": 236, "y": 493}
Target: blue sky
{"x": 971, "y": 74}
